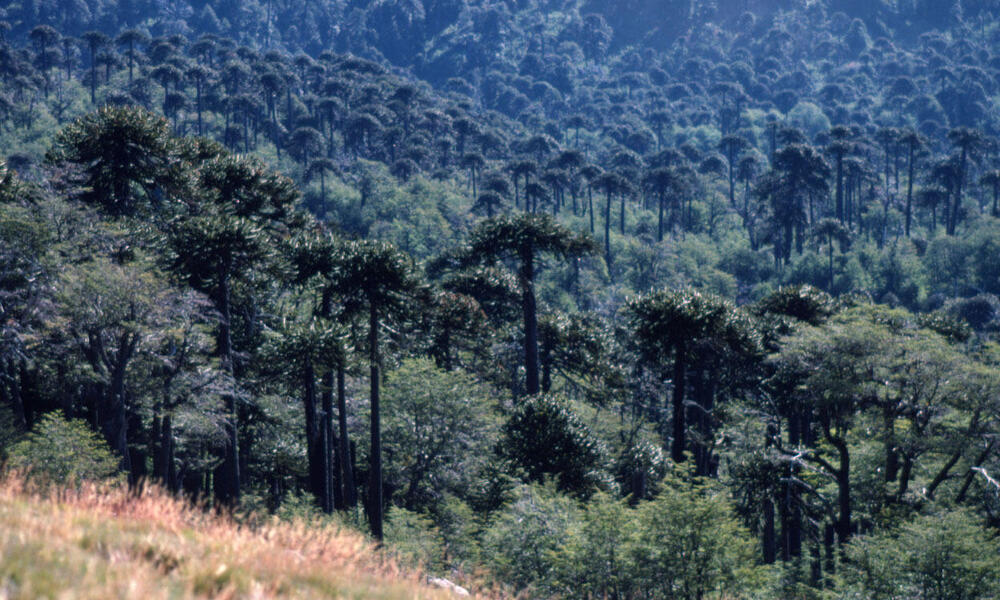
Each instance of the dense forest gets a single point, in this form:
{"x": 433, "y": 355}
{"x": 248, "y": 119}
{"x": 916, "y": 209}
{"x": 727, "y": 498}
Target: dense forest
{"x": 575, "y": 299}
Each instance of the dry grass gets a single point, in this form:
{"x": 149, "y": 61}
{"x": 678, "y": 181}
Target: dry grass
{"x": 101, "y": 543}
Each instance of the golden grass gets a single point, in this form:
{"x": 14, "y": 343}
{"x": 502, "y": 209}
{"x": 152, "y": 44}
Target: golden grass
{"x": 110, "y": 543}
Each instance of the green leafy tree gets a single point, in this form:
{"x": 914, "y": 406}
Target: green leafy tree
{"x": 439, "y": 425}
{"x": 689, "y": 545}
{"x": 63, "y": 452}
{"x": 937, "y": 556}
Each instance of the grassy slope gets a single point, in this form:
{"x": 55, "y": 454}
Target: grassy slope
{"x": 93, "y": 544}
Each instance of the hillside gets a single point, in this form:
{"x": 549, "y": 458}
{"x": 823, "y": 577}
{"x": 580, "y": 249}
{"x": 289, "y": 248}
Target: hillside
{"x": 112, "y": 544}
{"x": 643, "y": 299}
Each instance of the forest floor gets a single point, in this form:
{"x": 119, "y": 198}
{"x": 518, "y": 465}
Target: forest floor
{"x": 111, "y": 543}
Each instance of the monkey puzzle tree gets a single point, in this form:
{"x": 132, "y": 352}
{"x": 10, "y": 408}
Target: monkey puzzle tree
{"x": 315, "y": 256}
{"x": 123, "y": 151}
{"x": 670, "y": 325}
{"x": 96, "y": 40}
{"x": 732, "y": 146}
{"x": 299, "y": 352}
{"x": 523, "y": 238}
{"x": 210, "y": 251}
{"x": 970, "y": 143}
{"x": 131, "y": 38}
{"x": 915, "y": 145}
{"x": 831, "y": 230}
{"x": 377, "y": 278}
{"x": 611, "y": 184}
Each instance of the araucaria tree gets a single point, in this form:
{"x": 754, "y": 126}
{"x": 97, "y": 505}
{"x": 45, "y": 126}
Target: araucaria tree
{"x": 377, "y": 279}
{"x": 522, "y": 239}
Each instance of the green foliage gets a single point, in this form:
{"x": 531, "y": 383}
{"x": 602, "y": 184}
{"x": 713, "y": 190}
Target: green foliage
{"x": 689, "y": 545}
{"x": 545, "y": 437}
{"x": 439, "y": 427}
{"x": 523, "y": 541}
{"x": 597, "y": 560}
{"x": 414, "y": 538}
{"x": 685, "y": 543}
{"x": 942, "y": 556}
{"x": 63, "y": 452}
{"x": 123, "y": 153}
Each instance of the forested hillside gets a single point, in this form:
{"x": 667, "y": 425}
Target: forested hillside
{"x": 676, "y": 299}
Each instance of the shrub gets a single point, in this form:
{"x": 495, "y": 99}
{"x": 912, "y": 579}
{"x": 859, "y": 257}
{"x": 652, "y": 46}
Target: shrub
{"x": 63, "y": 451}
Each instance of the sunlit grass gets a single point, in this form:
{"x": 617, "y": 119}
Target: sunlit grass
{"x": 109, "y": 543}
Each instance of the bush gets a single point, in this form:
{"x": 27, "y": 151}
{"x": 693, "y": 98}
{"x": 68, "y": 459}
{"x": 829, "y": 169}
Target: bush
{"x": 414, "y": 539}
{"x": 946, "y": 556}
{"x": 690, "y": 545}
{"x": 544, "y": 437}
{"x": 524, "y": 540}
{"x": 63, "y": 451}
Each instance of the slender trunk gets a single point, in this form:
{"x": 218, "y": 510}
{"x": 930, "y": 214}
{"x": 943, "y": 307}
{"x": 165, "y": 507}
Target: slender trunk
{"x": 909, "y": 190}
{"x": 621, "y": 228}
{"x": 530, "y": 321}
{"x": 659, "y": 219}
{"x": 375, "y": 479}
{"x": 680, "y": 372}
{"x": 843, "y": 476}
{"x": 769, "y": 541}
{"x": 590, "y": 204}
{"x": 840, "y": 187}
{"x": 227, "y": 475}
{"x": 345, "y": 455}
{"x": 607, "y": 231}
{"x": 314, "y": 451}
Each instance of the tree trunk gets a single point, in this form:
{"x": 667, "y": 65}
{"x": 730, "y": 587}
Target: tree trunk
{"x": 314, "y": 450}
{"x": 375, "y": 477}
{"x": 909, "y": 191}
{"x": 607, "y": 231}
{"x": 680, "y": 372}
{"x": 590, "y": 203}
{"x": 227, "y": 475}
{"x": 621, "y": 228}
{"x": 659, "y": 219}
{"x": 345, "y": 455}
{"x": 530, "y": 321}
{"x": 843, "y": 476}
{"x": 840, "y": 188}
{"x": 769, "y": 545}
